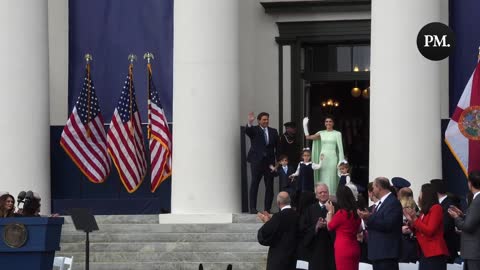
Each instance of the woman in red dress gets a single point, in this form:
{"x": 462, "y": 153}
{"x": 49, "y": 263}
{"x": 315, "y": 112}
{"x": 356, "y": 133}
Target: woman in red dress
{"x": 346, "y": 224}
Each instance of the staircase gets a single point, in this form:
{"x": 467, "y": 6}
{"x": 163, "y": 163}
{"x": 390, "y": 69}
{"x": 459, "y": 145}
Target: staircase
{"x": 139, "y": 243}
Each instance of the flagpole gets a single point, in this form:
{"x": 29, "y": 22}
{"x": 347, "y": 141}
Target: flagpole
{"x": 149, "y": 56}
{"x": 131, "y": 58}
{"x": 88, "y": 59}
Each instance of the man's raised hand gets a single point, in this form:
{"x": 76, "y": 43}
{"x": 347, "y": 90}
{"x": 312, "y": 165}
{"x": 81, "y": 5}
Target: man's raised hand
{"x": 251, "y": 117}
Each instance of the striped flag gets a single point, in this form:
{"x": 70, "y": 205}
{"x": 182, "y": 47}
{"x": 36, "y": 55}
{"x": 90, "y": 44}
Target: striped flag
{"x": 84, "y": 138}
{"x": 463, "y": 132}
{"x": 125, "y": 138}
{"x": 160, "y": 138}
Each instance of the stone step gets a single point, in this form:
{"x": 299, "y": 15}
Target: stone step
{"x": 140, "y": 243}
{"x": 79, "y": 237}
{"x": 169, "y": 257}
{"x": 165, "y": 247}
{"x": 121, "y": 219}
{"x": 246, "y": 218}
{"x": 169, "y": 266}
{"x": 173, "y": 228}
{"x": 154, "y": 219}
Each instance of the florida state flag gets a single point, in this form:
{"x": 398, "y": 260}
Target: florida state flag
{"x": 463, "y": 132}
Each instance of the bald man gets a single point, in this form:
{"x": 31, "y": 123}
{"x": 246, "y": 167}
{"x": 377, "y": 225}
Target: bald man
{"x": 280, "y": 233}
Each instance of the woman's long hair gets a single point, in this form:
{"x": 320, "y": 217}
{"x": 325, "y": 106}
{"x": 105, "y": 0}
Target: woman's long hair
{"x": 429, "y": 198}
{"x": 3, "y": 204}
{"x": 346, "y": 201}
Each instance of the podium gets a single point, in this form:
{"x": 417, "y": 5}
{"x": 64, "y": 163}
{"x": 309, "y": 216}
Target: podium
{"x": 29, "y": 242}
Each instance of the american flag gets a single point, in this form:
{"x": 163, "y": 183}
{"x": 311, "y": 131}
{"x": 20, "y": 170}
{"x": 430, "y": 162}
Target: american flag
{"x": 160, "y": 137}
{"x": 84, "y": 138}
{"x": 125, "y": 138}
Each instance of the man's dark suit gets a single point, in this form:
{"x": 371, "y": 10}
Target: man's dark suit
{"x": 449, "y": 233}
{"x": 384, "y": 234}
{"x": 286, "y": 183}
{"x": 261, "y": 155}
{"x": 316, "y": 246}
{"x": 280, "y": 234}
{"x": 470, "y": 238}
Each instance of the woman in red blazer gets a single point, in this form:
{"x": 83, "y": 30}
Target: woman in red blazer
{"x": 428, "y": 228}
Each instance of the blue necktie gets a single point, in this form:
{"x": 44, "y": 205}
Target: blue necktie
{"x": 265, "y": 132}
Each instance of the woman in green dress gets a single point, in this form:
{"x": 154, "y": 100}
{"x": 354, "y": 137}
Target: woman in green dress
{"x": 329, "y": 143}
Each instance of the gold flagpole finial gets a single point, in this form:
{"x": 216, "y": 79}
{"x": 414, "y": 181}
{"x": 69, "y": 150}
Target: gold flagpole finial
{"x": 149, "y": 56}
{"x": 132, "y": 57}
{"x": 88, "y": 58}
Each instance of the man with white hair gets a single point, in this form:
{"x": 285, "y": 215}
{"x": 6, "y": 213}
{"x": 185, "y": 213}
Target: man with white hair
{"x": 280, "y": 233}
{"x": 316, "y": 238}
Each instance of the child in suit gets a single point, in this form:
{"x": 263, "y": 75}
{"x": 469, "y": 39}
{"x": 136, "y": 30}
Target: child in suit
{"x": 283, "y": 170}
{"x": 305, "y": 170}
{"x": 344, "y": 173}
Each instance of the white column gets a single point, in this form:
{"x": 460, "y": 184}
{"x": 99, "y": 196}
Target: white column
{"x": 405, "y": 104}
{"x": 58, "y": 48}
{"x": 24, "y": 113}
{"x": 206, "y": 134}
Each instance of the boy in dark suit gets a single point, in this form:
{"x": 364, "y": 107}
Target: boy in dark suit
{"x": 283, "y": 170}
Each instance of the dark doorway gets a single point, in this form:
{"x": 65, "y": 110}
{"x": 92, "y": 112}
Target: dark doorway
{"x": 351, "y": 119}
{"x": 327, "y": 58}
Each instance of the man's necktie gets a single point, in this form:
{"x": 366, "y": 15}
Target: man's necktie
{"x": 265, "y": 131}
{"x": 376, "y": 207}
{"x": 285, "y": 170}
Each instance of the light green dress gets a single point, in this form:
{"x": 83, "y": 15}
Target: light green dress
{"x": 330, "y": 145}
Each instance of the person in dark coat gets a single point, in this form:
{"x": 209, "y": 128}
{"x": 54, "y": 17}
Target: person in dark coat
{"x": 449, "y": 234}
{"x": 288, "y": 144}
{"x": 384, "y": 227}
{"x": 280, "y": 233}
{"x": 370, "y": 209}
{"x": 283, "y": 171}
{"x": 469, "y": 224}
{"x": 308, "y": 199}
{"x": 262, "y": 155}
{"x": 317, "y": 240}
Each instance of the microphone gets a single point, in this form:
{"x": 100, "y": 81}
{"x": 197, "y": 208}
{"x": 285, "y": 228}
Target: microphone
{"x": 21, "y": 197}
{"x": 29, "y": 195}
{"x": 28, "y": 199}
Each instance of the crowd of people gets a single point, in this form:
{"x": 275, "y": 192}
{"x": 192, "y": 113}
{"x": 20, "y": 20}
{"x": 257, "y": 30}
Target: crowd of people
{"x": 271, "y": 155}
{"x": 339, "y": 231}
{"x": 318, "y": 230}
